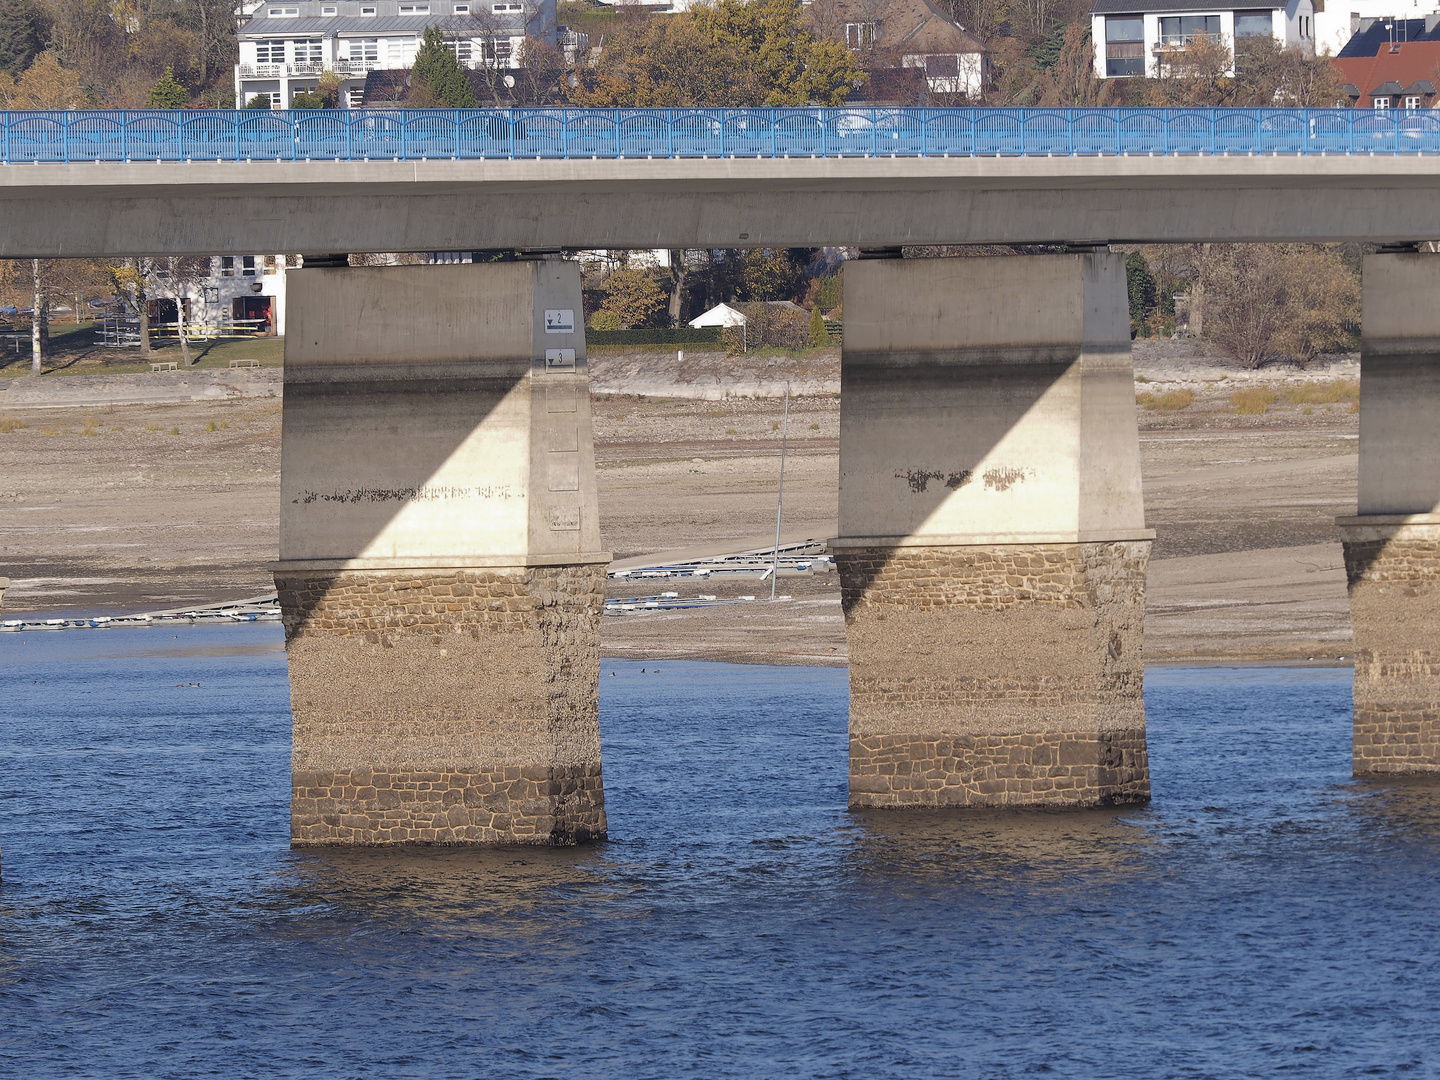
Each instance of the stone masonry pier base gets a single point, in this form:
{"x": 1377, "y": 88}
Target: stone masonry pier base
{"x": 1392, "y": 545}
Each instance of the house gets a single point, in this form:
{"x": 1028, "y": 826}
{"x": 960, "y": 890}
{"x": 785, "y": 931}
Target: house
{"x": 719, "y": 315}
{"x": 240, "y": 291}
{"x": 913, "y": 36}
{"x": 1380, "y": 74}
{"x": 286, "y": 47}
{"x": 1367, "y": 24}
{"x": 1134, "y": 37}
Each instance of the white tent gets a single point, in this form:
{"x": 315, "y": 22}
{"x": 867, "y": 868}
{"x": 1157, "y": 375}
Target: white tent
{"x": 719, "y": 315}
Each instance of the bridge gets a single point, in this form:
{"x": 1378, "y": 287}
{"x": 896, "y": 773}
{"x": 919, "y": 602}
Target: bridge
{"x": 158, "y": 183}
{"x": 440, "y": 567}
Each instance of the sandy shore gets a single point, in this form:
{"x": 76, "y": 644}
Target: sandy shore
{"x": 127, "y": 507}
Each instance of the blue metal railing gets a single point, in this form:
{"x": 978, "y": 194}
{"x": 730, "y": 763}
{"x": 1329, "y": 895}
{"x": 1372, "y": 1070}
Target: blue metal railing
{"x": 426, "y": 134}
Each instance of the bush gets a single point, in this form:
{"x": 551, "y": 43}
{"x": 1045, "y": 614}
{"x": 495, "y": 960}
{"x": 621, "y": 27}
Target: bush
{"x": 1170, "y": 401}
{"x": 167, "y": 93}
{"x": 1326, "y": 393}
{"x": 767, "y": 324}
{"x": 605, "y": 320}
{"x": 688, "y": 335}
{"x": 1252, "y": 401}
{"x": 307, "y": 100}
{"x": 259, "y": 101}
{"x": 819, "y": 334}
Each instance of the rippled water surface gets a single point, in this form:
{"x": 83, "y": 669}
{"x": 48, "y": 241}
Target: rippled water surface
{"x": 1264, "y": 914}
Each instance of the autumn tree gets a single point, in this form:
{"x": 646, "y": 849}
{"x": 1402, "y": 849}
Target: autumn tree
{"x": 1278, "y": 301}
{"x": 731, "y": 54}
{"x": 634, "y": 298}
{"x": 1197, "y": 73}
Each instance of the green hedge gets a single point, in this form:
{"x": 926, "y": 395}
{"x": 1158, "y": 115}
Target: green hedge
{"x": 685, "y": 336}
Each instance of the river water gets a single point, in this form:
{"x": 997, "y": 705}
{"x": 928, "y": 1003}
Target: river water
{"x": 1265, "y": 913}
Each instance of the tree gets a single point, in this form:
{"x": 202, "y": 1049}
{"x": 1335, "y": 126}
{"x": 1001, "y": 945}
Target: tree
{"x": 634, "y": 298}
{"x": 436, "y": 79}
{"x": 47, "y": 85}
{"x": 819, "y": 333}
{"x": 794, "y": 66}
{"x": 22, "y": 34}
{"x": 1279, "y": 301}
{"x": 1199, "y": 73}
{"x": 259, "y": 101}
{"x": 167, "y": 93}
{"x": 731, "y": 54}
{"x": 1269, "y": 75}
{"x": 1141, "y": 286}
{"x": 773, "y": 273}
{"x": 183, "y": 275}
{"x": 307, "y": 100}
{"x": 130, "y": 278}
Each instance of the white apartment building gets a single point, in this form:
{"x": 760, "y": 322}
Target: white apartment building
{"x": 286, "y": 47}
{"x": 1133, "y": 37}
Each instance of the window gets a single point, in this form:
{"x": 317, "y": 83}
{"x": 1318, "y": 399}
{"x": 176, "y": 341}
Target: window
{"x": 367, "y": 12}
{"x": 327, "y": 11}
{"x": 1381, "y": 102}
{"x": 212, "y": 294}
{"x": 269, "y": 264}
{"x": 356, "y": 96}
{"x": 414, "y": 9}
{"x": 859, "y": 35}
{"x": 284, "y": 13}
{"x": 462, "y": 9}
{"x": 1253, "y": 24}
{"x": 497, "y": 52}
{"x": 227, "y": 265}
{"x": 462, "y": 50}
{"x": 1124, "y": 46}
{"x": 247, "y": 264}
{"x": 1179, "y": 30}
{"x": 1413, "y": 102}
{"x": 365, "y": 51}
{"x": 309, "y": 51}
{"x": 400, "y": 52}
{"x": 270, "y": 52}
{"x": 508, "y": 7}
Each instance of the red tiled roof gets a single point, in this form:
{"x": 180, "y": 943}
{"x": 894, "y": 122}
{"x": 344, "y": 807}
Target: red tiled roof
{"x": 1412, "y": 62}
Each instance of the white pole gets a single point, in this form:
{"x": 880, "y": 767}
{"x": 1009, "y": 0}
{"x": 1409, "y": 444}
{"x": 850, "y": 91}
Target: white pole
{"x": 780, "y": 498}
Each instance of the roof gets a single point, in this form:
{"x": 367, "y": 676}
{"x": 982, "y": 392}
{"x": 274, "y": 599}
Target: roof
{"x": 910, "y": 26}
{"x": 1139, "y": 7}
{"x": 719, "y": 315}
{"x": 376, "y": 26}
{"x": 1389, "y": 73}
{"x": 1377, "y": 36}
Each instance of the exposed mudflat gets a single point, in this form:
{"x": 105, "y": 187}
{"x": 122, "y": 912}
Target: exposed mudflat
{"x": 136, "y": 507}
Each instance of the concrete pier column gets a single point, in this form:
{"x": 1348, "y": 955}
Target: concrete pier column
{"x": 1392, "y": 545}
{"x": 440, "y": 573}
{"x": 992, "y": 545}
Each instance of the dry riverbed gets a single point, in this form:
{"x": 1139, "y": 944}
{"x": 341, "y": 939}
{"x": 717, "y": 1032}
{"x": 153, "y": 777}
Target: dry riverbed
{"x": 151, "y": 506}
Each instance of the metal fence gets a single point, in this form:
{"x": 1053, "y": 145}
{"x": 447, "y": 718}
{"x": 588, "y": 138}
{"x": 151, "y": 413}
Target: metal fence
{"x": 426, "y": 134}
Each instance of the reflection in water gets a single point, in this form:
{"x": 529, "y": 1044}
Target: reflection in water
{"x": 1264, "y": 913}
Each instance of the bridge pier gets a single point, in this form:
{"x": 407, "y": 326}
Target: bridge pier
{"x": 440, "y": 575}
{"x": 1392, "y": 545}
{"x": 992, "y": 545}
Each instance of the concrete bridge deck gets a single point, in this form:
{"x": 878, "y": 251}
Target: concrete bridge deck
{"x": 1283, "y": 189}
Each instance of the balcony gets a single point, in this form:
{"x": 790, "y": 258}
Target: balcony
{"x": 312, "y": 68}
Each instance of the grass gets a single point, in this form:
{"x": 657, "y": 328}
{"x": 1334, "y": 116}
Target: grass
{"x": 11, "y": 423}
{"x": 1326, "y": 393}
{"x": 1170, "y": 401}
{"x": 72, "y": 351}
{"x": 1253, "y": 401}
